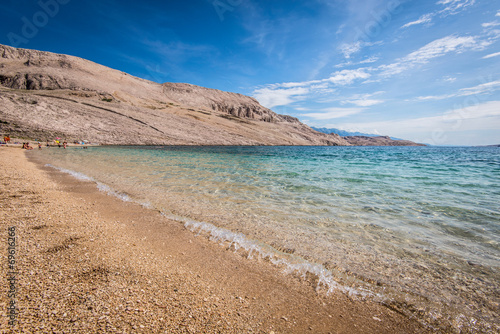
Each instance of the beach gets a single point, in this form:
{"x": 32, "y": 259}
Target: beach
{"x": 89, "y": 262}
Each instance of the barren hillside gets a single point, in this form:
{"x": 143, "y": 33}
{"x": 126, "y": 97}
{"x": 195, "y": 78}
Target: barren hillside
{"x": 44, "y": 95}
{"x": 378, "y": 141}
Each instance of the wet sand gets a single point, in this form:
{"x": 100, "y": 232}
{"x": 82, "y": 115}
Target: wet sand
{"x": 88, "y": 262}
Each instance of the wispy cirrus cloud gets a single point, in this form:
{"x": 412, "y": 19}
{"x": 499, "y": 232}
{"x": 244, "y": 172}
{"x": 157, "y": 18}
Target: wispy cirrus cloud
{"x": 369, "y": 60}
{"x": 289, "y": 92}
{"x": 452, "y": 7}
{"x": 332, "y": 113}
{"x": 364, "y": 103}
{"x": 485, "y": 88}
{"x": 451, "y": 125}
{"x": 442, "y": 46}
{"x": 348, "y": 49}
{"x": 490, "y": 24}
{"x": 434, "y": 49}
{"x": 491, "y": 55}
{"x": 347, "y": 77}
{"x": 427, "y": 18}
{"x": 363, "y": 100}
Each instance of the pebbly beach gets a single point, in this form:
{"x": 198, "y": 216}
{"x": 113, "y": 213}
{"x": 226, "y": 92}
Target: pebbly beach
{"x": 88, "y": 262}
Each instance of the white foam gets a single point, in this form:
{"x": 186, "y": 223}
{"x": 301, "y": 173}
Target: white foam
{"x": 293, "y": 265}
{"x": 101, "y": 186}
{"x": 108, "y": 190}
{"x": 76, "y": 175}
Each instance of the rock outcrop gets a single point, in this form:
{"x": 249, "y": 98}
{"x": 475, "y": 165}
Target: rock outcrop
{"x": 43, "y": 95}
{"x": 225, "y": 102}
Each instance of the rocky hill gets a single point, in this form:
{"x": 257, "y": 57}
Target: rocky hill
{"x": 45, "y": 95}
{"x": 378, "y": 141}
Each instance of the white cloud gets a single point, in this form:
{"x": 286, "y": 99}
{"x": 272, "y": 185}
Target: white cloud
{"x": 364, "y": 103}
{"x": 331, "y": 113}
{"x": 484, "y": 112}
{"x": 498, "y": 13}
{"x": 288, "y": 92}
{"x": 340, "y": 78}
{"x": 441, "y": 47}
{"x": 453, "y": 7}
{"x": 492, "y": 55}
{"x": 363, "y": 100}
{"x": 296, "y": 84}
{"x": 347, "y": 77}
{"x": 447, "y": 128}
{"x": 484, "y": 88}
{"x": 490, "y": 24}
{"x": 423, "y": 19}
{"x": 279, "y": 97}
{"x": 372, "y": 59}
{"x": 348, "y": 49}
{"x": 434, "y": 49}
{"x": 487, "y": 87}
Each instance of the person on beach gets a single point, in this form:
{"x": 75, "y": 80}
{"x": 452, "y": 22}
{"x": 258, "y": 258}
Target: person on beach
{"x": 64, "y": 144}
{"x": 27, "y": 146}
{"x": 39, "y": 145}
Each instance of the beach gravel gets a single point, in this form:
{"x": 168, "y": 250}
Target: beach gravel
{"x": 88, "y": 263}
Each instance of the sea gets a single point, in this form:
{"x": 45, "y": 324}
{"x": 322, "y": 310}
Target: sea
{"x": 416, "y": 229}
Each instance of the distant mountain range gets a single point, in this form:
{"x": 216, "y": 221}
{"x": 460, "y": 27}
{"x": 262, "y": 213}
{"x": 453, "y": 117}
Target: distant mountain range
{"x": 344, "y": 133}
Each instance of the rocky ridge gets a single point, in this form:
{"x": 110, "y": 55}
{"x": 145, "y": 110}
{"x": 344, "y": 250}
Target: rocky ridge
{"x": 44, "y": 95}
{"x": 378, "y": 141}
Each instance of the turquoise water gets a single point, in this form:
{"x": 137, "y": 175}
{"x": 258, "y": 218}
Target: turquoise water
{"x": 416, "y": 228}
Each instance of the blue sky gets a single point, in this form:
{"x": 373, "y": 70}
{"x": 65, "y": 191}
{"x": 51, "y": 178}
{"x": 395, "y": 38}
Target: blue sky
{"x": 423, "y": 70}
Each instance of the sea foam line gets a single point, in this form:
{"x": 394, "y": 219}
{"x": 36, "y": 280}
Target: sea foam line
{"x": 100, "y": 186}
{"x": 239, "y": 241}
{"x": 292, "y": 266}
{"x": 76, "y": 175}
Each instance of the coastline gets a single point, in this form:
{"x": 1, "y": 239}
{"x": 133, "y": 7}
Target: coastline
{"x": 89, "y": 262}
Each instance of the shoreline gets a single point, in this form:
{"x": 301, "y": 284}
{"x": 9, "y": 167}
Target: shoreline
{"x": 91, "y": 262}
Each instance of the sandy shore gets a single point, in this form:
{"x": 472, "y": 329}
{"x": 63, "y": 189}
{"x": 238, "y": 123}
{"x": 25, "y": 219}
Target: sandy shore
{"x": 87, "y": 262}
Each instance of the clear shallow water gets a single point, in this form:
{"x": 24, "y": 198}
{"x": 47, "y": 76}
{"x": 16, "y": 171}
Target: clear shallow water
{"x": 417, "y": 228}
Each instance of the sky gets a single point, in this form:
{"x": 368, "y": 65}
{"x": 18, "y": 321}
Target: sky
{"x": 423, "y": 70}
